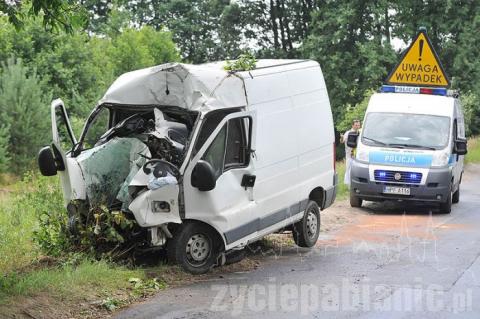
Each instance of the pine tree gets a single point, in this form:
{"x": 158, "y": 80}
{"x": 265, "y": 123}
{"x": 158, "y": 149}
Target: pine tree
{"x": 24, "y": 105}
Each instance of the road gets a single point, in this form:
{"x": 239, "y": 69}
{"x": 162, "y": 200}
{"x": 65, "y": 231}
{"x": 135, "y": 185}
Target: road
{"x": 392, "y": 262}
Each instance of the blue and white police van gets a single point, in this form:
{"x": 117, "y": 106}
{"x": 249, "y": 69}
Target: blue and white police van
{"x": 411, "y": 148}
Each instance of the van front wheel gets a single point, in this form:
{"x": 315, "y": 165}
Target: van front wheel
{"x": 307, "y": 230}
{"x": 446, "y": 207}
{"x": 456, "y": 196}
{"x": 194, "y": 248}
{"x": 355, "y": 201}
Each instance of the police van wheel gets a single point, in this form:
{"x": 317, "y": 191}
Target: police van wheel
{"x": 355, "y": 201}
{"x": 306, "y": 231}
{"x": 456, "y": 196}
{"x": 446, "y": 207}
{"x": 194, "y": 248}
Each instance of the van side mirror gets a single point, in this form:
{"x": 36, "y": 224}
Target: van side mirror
{"x": 460, "y": 147}
{"x": 203, "y": 176}
{"x": 352, "y": 139}
{"x": 46, "y": 162}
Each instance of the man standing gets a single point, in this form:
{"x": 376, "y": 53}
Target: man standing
{"x": 349, "y": 152}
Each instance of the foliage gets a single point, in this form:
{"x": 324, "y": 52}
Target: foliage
{"x": 244, "y": 62}
{"x": 471, "y": 109}
{"x": 135, "y": 49}
{"x": 111, "y": 303}
{"x": 351, "y": 41}
{"x": 354, "y": 112}
{"x": 56, "y": 14}
{"x": 105, "y": 233}
{"x": 23, "y": 101}
{"x": 143, "y": 288}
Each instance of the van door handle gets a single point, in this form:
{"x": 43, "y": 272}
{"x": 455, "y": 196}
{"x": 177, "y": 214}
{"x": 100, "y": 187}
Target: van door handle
{"x": 248, "y": 180}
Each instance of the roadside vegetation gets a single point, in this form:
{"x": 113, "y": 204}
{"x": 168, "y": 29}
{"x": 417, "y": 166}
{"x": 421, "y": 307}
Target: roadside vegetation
{"x": 27, "y": 271}
{"x": 473, "y": 155}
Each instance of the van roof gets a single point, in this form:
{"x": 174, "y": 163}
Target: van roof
{"x": 412, "y": 103}
{"x": 194, "y": 87}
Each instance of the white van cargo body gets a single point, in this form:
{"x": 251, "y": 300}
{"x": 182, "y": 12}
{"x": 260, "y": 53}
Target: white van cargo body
{"x": 410, "y": 148}
{"x": 204, "y": 160}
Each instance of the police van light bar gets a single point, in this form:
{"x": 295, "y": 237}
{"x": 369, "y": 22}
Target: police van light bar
{"x": 413, "y": 90}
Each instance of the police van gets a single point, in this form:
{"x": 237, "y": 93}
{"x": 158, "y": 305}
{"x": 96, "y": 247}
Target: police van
{"x": 411, "y": 148}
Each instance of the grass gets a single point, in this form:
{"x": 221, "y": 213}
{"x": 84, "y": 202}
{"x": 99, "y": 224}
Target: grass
{"x": 473, "y": 155}
{"x": 26, "y": 273}
{"x": 81, "y": 280}
{"x": 342, "y": 190}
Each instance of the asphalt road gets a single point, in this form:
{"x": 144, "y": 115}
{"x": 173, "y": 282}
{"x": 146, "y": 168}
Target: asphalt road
{"x": 392, "y": 262}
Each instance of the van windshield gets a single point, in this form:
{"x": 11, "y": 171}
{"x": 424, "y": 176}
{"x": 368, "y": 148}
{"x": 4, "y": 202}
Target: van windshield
{"x": 406, "y": 130}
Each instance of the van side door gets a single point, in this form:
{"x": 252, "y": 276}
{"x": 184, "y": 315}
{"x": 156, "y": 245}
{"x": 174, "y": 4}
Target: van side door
{"x": 228, "y": 207}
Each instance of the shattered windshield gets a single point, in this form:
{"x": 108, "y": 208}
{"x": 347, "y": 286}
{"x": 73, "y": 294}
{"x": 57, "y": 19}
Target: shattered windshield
{"x": 97, "y": 128}
{"x": 406, "y": 130}
{"x": 118, "y": 142}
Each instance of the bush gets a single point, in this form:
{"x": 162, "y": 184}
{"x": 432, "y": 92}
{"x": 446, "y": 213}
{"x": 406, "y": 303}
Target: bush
{"x": 355, "y": 112}
{"x": 471, "y": 107}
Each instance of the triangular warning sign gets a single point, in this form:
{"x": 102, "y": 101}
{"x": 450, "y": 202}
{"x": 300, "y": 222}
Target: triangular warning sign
{"x": 419, "y": 66}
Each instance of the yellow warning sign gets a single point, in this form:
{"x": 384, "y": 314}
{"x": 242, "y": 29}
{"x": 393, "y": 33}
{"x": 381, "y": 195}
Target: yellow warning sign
{"x": 419, "y": 65}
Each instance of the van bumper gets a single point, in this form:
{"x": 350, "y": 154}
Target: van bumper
{"x": 435, "y": 189}
{"x": 331, "y": 193}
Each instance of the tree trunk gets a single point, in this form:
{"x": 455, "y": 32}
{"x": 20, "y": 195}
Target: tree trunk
{"x": 282, "y": 28}
{"x": 273, "y": 18}
{"x": 287, "y": 26}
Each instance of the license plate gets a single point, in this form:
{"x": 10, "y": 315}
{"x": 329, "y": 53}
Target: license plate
{"x": 396, "y": 190}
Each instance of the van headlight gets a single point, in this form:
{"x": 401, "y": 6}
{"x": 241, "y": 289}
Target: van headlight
{"x": 362, "y": 156}
{"x": 440, "y": 159}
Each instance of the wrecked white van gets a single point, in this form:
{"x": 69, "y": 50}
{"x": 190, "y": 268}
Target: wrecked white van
{"x": 205, "y": 160}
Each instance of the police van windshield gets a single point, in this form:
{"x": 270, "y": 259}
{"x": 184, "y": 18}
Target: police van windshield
{"x": 406, "y": 130}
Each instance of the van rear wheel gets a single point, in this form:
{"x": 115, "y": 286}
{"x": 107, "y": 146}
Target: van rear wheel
{"x": 194, "y": 248}
{"x": 307, "y": 230}
{"x": 355, "y": 201}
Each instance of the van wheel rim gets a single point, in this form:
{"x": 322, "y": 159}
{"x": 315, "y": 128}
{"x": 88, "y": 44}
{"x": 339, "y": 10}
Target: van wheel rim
{"x": 312, "y": 224}
{"x": 198, "y": 249}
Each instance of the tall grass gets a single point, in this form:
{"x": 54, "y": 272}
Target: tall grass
{"x": 75, "y": 281}
{"x": 19, "y": 213}
{"x": 342, "y": 189}
{"x": 473, "y": 155}
{"x": 22, "y": 272}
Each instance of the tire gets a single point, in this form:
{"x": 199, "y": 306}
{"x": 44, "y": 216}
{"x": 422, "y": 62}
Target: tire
{"x": 355, "y": 201}
{"x": 194, "y": 247}
{"x": 446, "y": 207}
{"x": 306, "y": 231}
{"x": 235, "y": 256}
{"x": 456, "y": 195}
